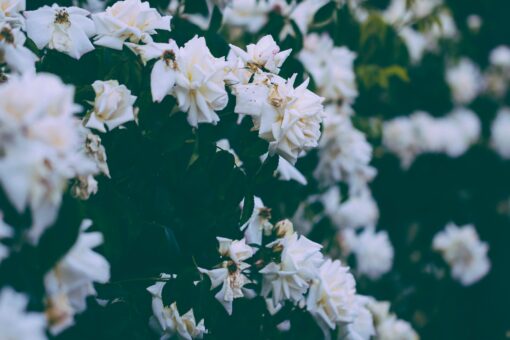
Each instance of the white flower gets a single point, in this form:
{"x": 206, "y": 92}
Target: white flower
{"x": 65, "y": 29}
{"x": 330, "y": 67}
{"x": 5, "y": 232}
{"x": 359, "y": 210}
{"x": 130, "y": 20}
{"x": 113, "y": 105}
{"x": 40, "y": 145}
{"x": 399, "y": 137}
{"x": 167, "y": 320}
{"x": 236, "y": 71}
{"x": 464, "y": 80}
{"x": 373, "y": 252}
{"x": 230, "y": 274}
{"x": 500, "y": 57}
{"x": 452, "y": 134}
{"x": 249, "y": 14}
{"x": 15, "y": 322}
{"x": 290, "y": 278}
{"x": 70, "y": 282}
{"x": 304, "y": 13}
{"x": 392, "y": 328}
{"x": 10, "y": 12}
{"x": 344, "y": 153}
{"x": 12, "y": 52}
{"x": 399, "y": 12}
{"x": 474, "y": 22}
{"x": 258, "y": 223}
{"x": 362, "y": 328}
{"x": 288, "y": 118}
{"x": 500, "y": 133}
{"x": 416, "y": 43}
{"x": 464, "y": 130}
{"x": 164, "y": 71}
{"x": 288, "y": 172}
{"x": 332, "y": 295}
{"x": 200, "y": 88}
{"x": 464, "y": 252}
{"x": 265, "y": 54}
{"x": 93, "y": 148}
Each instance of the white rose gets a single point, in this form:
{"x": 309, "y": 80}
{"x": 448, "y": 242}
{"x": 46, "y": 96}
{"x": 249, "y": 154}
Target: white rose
{"x": 12, "y": 52}
{"x": 288, "y": 118}
{"x": 113, "y": 105}
{"x": 200, "y": 87}
{"x": 65, "y": 29}
{"x": 15, "y": 322}
{"x": 131, "y": 20}
{"x": 264, "y": 54}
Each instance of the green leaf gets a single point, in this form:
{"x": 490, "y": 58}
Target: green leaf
{"x": 216, "y": 20}
{"x": 248, "y": 206}
{"x": 266, "y": 171}
{"x": 324, "y": 14}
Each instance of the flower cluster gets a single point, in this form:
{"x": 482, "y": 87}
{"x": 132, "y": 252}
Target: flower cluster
{"x": 41, "y": 146}
{"x": 464, "y": 252}
{"x": 205, "y": 109}
{"x": 420, "y": 133}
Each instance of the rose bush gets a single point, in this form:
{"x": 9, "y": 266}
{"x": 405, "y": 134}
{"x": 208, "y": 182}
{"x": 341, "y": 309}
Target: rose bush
{"x": 260, "y": 169}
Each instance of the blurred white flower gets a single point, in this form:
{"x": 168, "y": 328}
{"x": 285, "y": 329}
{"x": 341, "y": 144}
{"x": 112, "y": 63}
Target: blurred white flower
{"x": 230, "y": 274}
{"x": 65, "y": 29}
{"x": 359, "y": 210}
{"x": 249, "y": 14}
{"x": 12, "y": 52}
{"x": 72, "y": 279}
{"x": 399, "y": 12}
{"x": 463, "y": 130}
{"x": 40, "y": 144}
{"x": 129, "y": 20}
{"x": 10, "y": 12}
{"x": 419, "y": 133}
{"x": 392, "y": 328}
{"x": 113, "y": 105}
{"x": 288, "y": 118}
{"x": 290, "y": 277}
{"x": 330, "y": 67}
{"x": 416, "y": 43}
{"x": 500, "y": 57}
{"x": 167, "y": 320}
{"x": 200, "y": 87}
{"x": 332, "y": 295}
{"x": 474, "y": 22}
{"x": 464, "y": 252}
{"x": 362, "y": 328}
{"x": 164, "y": 71}
{"x": 344, "y": 153}
{"x": 373, "y": 251}
{"x": 304, "y": 13}
{"x": 464, "y": 80}
{"x": 265, "y": 54}
{"x": 500, "y": 133}
{"x": 15, "y": 322}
